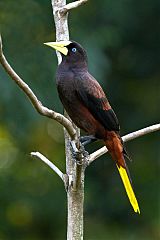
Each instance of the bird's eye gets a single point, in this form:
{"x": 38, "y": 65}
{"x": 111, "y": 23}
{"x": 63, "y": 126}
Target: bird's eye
{"x": 74, "y": 50}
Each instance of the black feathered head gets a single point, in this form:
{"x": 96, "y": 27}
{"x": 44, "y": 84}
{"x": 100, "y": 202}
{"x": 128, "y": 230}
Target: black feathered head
{"x": 71, "y": 51}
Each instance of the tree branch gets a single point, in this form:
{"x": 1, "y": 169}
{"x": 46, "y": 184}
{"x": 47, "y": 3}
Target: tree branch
{"x": 125, "y": 138}
{"x": 71, "y": 6}
{"x": 36, "y": 103}
{"x": 49, "y": 163}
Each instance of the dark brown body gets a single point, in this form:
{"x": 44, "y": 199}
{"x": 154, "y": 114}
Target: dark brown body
{"x": 67, "y": 84}
{"x": 83, "y": 109}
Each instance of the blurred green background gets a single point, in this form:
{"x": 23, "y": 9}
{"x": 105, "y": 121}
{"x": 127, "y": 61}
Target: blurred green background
{"x": 122, "y": 39}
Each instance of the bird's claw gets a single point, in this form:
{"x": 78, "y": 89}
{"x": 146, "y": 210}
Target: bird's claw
{"x": 74, "y": 148}
{"x": 83, "y": 151}
{"x": 79, "y": 152}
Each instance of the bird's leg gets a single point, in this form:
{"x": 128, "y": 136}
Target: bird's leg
{"x": 85, "y": 140}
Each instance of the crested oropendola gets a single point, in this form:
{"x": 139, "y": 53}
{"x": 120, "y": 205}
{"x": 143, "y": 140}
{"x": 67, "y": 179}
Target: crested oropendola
{"x": 87, "y": 105}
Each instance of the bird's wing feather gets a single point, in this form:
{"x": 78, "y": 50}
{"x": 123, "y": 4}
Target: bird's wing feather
{"x": 92, "y": 96}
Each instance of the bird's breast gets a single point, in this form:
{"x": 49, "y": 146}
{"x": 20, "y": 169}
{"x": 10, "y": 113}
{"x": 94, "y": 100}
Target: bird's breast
{"x": 70, "y": 86}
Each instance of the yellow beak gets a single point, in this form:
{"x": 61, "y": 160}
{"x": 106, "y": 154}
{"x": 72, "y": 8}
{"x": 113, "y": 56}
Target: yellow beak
{"x": 59, "y": 46}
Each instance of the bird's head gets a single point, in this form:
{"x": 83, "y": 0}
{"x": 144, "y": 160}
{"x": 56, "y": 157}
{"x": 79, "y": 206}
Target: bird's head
{"x": 71, "y": 51}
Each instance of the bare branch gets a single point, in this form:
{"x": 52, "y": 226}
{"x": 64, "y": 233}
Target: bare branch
{"x": 125, "y": 138}
{"x": 141, "y": 132}
{"x": 49, "y": 163}
{"x": 36, "y": 103}
{"x": 71, "y": 6}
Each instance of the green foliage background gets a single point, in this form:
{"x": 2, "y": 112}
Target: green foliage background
{"x": 122, "y": 39}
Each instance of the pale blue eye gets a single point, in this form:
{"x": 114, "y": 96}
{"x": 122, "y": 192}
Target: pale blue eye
{"x": 74, "y": 50}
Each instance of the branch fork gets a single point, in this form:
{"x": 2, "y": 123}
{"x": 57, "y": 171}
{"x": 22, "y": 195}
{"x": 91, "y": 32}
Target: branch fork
{"x": 64, "y": 10}
{"x": 64, "y": 177}
{"x": 33, "y": 98}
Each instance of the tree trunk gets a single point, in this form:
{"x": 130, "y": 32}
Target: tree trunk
{"x": 75, "y": 212}
{"x": 75, "y": 172}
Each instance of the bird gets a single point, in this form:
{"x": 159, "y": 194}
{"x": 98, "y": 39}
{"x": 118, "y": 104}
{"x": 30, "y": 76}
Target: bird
{"x": 88, "y": 107}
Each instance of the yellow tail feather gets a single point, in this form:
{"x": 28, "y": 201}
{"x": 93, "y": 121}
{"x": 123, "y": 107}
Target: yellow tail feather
{"x": 129, "y": 189}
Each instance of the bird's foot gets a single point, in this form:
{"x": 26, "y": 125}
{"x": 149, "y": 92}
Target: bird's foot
{"x": 80, "y": 155}
{"x": 83, "y": 151}
{"x": 74, "y": 148}
{"x": 85, "y": 140}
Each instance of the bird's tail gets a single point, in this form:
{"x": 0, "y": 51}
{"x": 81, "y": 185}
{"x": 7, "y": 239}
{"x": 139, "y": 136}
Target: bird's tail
{"x": 115, "y": 148}
{"x": 128, "y": 187}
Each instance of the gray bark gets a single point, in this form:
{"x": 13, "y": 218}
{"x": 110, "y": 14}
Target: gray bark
{"x": 75, "y": 172}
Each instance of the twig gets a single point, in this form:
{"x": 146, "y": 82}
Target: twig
{"x": 71, "y": 6}
{"x": 141, "y": 132}
{"x": 125, "y": 138}
{"x": 36, "y": 103}
{"x": 49, "y": 163}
